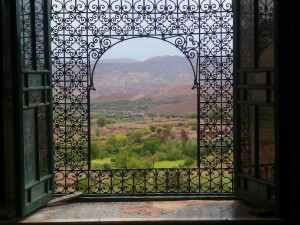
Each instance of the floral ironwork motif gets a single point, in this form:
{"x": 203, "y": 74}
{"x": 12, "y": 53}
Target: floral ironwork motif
{"x": 29, "y": 43}
{"x": 263, "y": 28}
{"x": 256, "y": 51}
{"x": 265, "y": 24}
{"x": 139, "y": 182}
{"x": 83, "y": 30}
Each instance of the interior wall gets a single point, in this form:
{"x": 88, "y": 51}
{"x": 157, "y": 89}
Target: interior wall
{"x": 1, "y": 115}
{"x": 293, "y": 62}
{"x": 288, "y": 101}
{"x": 7, "y": 174}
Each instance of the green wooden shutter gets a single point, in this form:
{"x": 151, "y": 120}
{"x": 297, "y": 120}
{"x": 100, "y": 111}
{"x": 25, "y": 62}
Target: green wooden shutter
{"x": 255, "y": 102}
{"x": 35, "y": 97}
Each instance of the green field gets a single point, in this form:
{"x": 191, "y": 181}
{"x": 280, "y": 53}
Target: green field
{"x": 168, "y": 164}
{"x": 124, "y": 135}
{"x": 99, "y": 163}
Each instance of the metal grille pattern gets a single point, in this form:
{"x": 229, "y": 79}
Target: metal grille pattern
{"x": 183, "y": 181}
{"x": 83, "y": 30}
{"x": 256, "y": 89}
{"x": 250, "y": 49}
{"x": 32, "y": 43}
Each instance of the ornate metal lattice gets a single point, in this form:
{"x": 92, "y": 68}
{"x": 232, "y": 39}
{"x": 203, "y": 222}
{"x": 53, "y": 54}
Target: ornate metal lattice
{"x": 256, "y": 94}
{"x": 265, "y": 24}
{"x": 83, "y": 30}
{"x": 263, "y": 29}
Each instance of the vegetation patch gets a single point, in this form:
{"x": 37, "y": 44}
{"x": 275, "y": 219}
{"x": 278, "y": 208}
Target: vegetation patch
{"x": 169, "y": 164}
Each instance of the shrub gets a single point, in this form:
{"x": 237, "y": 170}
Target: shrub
{"x": 152, "y": 128}
{"x": 167, "y": 127}
{"x": 189, "y": 162}
{"x": 191, "y": 116}
{"x": 107, "y": 166}
{"x": 137, "y": 149}
{"x": 194, "y": 127}
{"x": 174, "y": 153}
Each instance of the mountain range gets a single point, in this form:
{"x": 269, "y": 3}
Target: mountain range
{"x": 170, "y": 91}
{"x": 117, "y": 79}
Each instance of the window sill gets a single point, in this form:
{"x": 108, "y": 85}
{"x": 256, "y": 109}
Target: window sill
{"x": 151, "y": 212}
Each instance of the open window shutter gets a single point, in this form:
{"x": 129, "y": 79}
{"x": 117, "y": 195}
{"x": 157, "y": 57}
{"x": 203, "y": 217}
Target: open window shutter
{"x": 35, "y": 184}
{"x": 255, "y": 111}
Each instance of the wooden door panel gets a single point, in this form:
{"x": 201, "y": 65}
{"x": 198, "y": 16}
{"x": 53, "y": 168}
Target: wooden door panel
{"x": 36, "y": 155}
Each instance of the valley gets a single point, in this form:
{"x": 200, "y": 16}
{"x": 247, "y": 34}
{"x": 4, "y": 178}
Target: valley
{"x": 143, "y": 133}
{"x": 143, "y": 115}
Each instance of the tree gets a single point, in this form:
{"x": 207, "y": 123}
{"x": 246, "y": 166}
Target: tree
{"x": 190, "y": 149}
{"x": 125, "y": 160}
{"x": 137, "y": 149}
{"x": 95, "y": 151}
{"x": 101, "y": 121}
{"x": 117, "y": 140}
{"x": 167, "y": 135}
{"x": 121, "y": 140}
{"x": 108, "y": 148}
{"x": 183, "y": 136}
{"x": 152, "y": 145}
{"x": 173, "y": 149}
{"x": 135, "y": 163}
{"x": 135, "y": 136}
{"x": 122, "y": 159}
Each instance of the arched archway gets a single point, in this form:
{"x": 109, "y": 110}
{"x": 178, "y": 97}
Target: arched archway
{"x": 97, "y": 53}
{"x": 140, "y": 50}
{"x": 85, "y": 30}
{"x": 143, "y": 110}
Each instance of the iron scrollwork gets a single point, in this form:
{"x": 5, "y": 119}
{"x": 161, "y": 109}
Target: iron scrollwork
{"x": 265, "y": 24}
{"x": 84, "y": 30}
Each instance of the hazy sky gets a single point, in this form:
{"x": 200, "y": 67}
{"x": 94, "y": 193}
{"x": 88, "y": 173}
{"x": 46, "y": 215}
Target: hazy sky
{"x": 141, "y": 49}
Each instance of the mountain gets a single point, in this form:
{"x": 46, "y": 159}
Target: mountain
{"x": 122, "y": 60}
{"x": 132, "y": 76}
{"x": 168, "y": 92}
{"x": 178, "y": 98}
{"x": 171, "y": 91}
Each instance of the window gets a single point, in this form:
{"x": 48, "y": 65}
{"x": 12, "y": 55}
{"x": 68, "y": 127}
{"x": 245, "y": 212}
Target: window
{"x": 82, "y": 31}
{"x": 203, "y": 32}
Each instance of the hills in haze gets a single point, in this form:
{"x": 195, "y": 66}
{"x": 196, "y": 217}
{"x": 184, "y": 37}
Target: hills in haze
{"x": 158, "y": 79}
{"x": 118, "y": 79}
{"x": 170, "y": 91}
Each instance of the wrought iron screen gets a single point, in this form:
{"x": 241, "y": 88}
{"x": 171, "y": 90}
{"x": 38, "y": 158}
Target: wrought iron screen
{"x": 256, "y": 89}
{"x": 83, "y": 30}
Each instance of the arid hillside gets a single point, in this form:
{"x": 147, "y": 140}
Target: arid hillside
{"x": 131, "y": 76}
